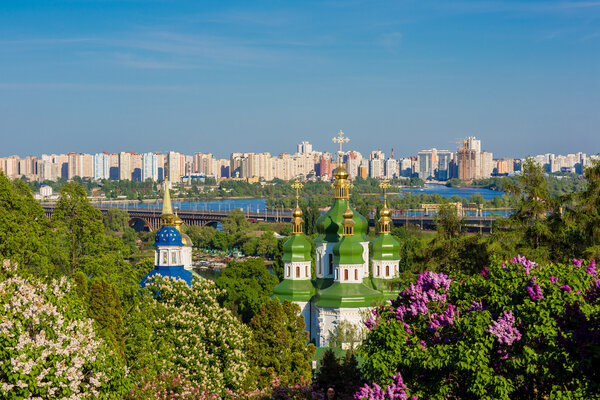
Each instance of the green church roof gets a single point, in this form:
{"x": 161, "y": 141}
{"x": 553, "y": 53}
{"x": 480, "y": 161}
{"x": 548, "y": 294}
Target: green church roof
{"x": 294, "y": 290}
{"x": 348, "y": 251}
{"x": 329, "y": 225}
{"x": 385, "y": 247}
{"x": 297, "y": 248}
{"x": 348, "y": 295}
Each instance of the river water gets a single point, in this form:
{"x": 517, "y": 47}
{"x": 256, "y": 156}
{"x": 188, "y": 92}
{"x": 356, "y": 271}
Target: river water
{"x": 261, "y": 204}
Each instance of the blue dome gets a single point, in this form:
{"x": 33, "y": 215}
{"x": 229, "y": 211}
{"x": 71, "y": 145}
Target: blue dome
{"x": 168, "y": 236}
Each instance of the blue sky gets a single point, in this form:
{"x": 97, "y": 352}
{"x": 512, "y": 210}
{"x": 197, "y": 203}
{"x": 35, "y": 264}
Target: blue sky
{"x": 224, "y": 76}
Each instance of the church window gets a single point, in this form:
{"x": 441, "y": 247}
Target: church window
{"x": 174, "y": 257}
{"x": 297, "y": 272}
{"x": 288, "y": 271}
{"x": 165, "y": 258}
{"x": 330, "y": 264}
{"x": 345, "y": 274}
{"x": 355, "y": 274}
{"x": 378, "y": 270}
{"x": 387, "y": 270}
{"x": 306, "y": 268}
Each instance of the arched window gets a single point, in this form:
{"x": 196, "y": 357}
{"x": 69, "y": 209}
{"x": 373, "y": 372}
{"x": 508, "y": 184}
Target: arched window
{"x": 297, "y": 272}
{"x": 387, "y": 270}
{"x": 330, "y": 264}
{"x": 378, "y": 270}
{"x": 306, "y": 268}
{"x": 165, "y": 257}
{"x": 288, "y": 271}
{"x": 174, "y": 258}
{"x": 345, "y": 274}
{"x": 356, "y": 274}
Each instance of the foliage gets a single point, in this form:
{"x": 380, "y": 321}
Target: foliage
{"x": 343, "y": 374}
{"x": 48, "y": 347}
{"x": 25, "y": 236}
{"x": 508, "y": 332}
{"x": 236, "y": 225}
{"x": 279, "y": 344}
{"x": 194, "y": 336}
{"x": 116, "y": 220}
{"x": 167, "y": 386}
{"x": 246, "y": 286}
{"x": 104, "y": 307}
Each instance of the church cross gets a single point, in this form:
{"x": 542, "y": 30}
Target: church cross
{"x": 297, "y": 185}
{"x": 385, "y": 185}
{"x": 341, "y": 139}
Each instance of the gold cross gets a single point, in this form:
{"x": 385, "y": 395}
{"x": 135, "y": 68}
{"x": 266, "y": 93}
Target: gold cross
{"x": 297, "y": 185}
{"x": 385, "y": 185}
{"x": 341, "y": 139}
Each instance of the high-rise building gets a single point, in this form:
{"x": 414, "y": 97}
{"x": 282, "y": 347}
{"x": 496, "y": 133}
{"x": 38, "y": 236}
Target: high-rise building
{"x": 175, "y": 165}
{"x": 305, "y": 148}
{"x": 444, "y": 169}
{"x": 428, "y": 163}
{"x": 391, "y": 168}
{"x": 101, "y": 166}
{"x": 124, "y": 165}
{"x": 150, "y": 165}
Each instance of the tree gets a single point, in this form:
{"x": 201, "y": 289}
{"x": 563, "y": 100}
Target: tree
{"x": 201, "y": 236}
{"x": 329, "y": 371}
{"x": 279, "y": 344}
{"x": 448, "y": 223}
{"x": 78, "y": 224}
{"x": 48, "y": 347}
{"x": 246, "y": 286}
{"x": 512, "y": 331}
{"x": 104, "y": 307}
{"x": 236, "y": 225}
{"x": 311, "y": 214}
{"x": 266, "y": 245}
{"x": 25, "y": 236}
{"x": 194, "y": 336}
{"x": 116, "y": 220}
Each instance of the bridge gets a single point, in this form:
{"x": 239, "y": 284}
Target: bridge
{"x": 148, "y": 219}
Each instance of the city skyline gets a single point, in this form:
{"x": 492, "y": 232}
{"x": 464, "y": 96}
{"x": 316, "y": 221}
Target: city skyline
{"x": 90, "y": 76}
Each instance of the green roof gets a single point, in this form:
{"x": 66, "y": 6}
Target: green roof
{"x": 348, "y": 251}
{"x": 383, "y": 286}
{"x": 329, "y": 225}
{"x": 385, "y": 247}
{"x": 347, "y": 295}
{"x": 297, "y": 248}
{"x": 294, "y": 290}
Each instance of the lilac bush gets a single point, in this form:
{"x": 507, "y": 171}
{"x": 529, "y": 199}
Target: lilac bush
{"x": 516, "y": 330}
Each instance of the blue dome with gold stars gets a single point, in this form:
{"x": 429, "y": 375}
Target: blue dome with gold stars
{"x": 168, "y": 236}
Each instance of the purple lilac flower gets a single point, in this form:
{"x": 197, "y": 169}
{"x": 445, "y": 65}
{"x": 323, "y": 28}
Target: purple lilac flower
{"x": 577, "y": 262}
{"x": 395, "y": 390}
{"x": 553, "y": 279}
{"x": 445, "y": 319}
{"x": 504, "y": 330}
{"x": 485, "y": 272}
{"x": 476, "y": 306}
{"x": 535, "y": 291}
{"x": 527, "y": 264}
{"x": 566, "y": 288}
{"x": 591, "y": 268}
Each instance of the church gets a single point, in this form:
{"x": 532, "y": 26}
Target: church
{"x": 349, "y": 277}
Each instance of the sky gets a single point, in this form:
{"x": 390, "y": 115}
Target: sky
{"x": 262, "y": 76}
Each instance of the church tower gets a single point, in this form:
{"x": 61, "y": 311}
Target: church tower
{"x": 296, "y": 285}
{"x": 385, "y": 260}
{"x": 168, "y": 245}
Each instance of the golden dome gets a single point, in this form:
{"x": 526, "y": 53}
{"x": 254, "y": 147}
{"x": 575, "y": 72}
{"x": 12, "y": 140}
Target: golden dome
{"x": 385, "y": 212}
{"x": 348, "y": 214}
{"x": 297, "y": 213}
{"x": 341, "y": 173}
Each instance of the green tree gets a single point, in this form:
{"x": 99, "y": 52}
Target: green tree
{"x": 116, "y": 220}
{"x": 329, "y": 371}
{"x": 25, "y": 236}
{"x": 104, "y": 307}
{"x": 279, "y": 344}
{"x": 236, "y": 225}
{"x": 220, "y": 240}
{"x": 78, "y": 224}
{"x": 246, "y": 285}
{"x": 448, "y": 223}
{"x": 266, "y": 245}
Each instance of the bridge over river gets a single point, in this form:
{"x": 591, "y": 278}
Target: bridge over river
{"x": 149, "y": 218}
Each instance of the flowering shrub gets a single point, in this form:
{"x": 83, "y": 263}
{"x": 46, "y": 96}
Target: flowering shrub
{"x": 517, "y": 330}
{"x": 48, "y": 348}
{"x": 195, "y": 337}
{"x": 168, "y": 387}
